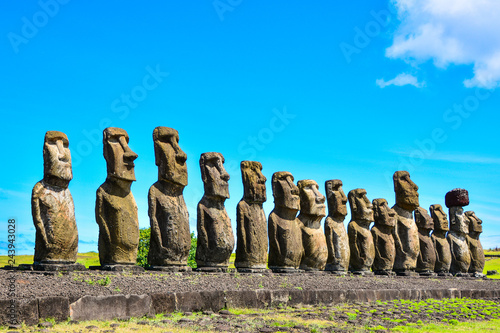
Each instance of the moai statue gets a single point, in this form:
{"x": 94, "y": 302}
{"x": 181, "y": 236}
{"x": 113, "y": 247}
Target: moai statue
{"x": 426, "y": 260}
{"x": 455, "y": 200}
{"x": 215, "y": 234}
{"x": 476, "y": 249}
{"x": 406, "y": 232}
{"x": 115, "y": 208}
{"x": 56, "y": 242}
{"x": 251, "y": 223}
{"x": 337, "y": 241}
{"x": 385, "y": 250}
{"x": 168, "y": 214}
{"x": 441, "y": 244}
{"x": 285, "y": 236}
{"x": 360, "y": 237}
{"x": 312, "y": 211}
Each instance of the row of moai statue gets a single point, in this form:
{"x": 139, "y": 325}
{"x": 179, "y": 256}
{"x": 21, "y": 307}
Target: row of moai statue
{"x": 399, "y": 240}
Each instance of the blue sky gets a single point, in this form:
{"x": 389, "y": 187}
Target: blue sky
{"x": 325, "y": 90}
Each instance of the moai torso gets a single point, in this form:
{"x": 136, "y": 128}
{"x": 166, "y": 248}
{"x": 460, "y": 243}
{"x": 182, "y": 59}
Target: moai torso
{"x": 170, "y": 240}
{"x": 285, "y": 236}
{"x": 312, "y": 211}
{"x": 385, "y": 251}
{"x": 406, "y": 241}
{"x": 251, "y": 223}
{"x": 170, "y": 235}
{"x": 57, "y": 236}
{"x": 337, "y": 241}
{"x": 116, "y": 210}
{"x": 252, "y": 240}
{"x": 426, "y": 260}
{"x": 52, "y": 206}
{"x": 116, "y": 214}
{"x": 360, "y": 238}
{"x": 215, "y": 234}
{"x": 460, "y": 254}
{"x": 475, "y": 247}
{"x": 285, "y": 242}
{"x": 441, "y": 244}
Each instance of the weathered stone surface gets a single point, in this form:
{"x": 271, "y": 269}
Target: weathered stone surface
{"x": 116, "y": 210}
{"x": 457, "y": 237}
{"x": 383, "y": 240}
{"x": 360, "y": 238}
{"x": 426, "y": 260}
{"x": 199, "y": 301}
{"x": 406, "y": 232}
{"x": 215, "y": 234}
{"x": 168, "y": 214}
{"x": 441, "y": 244}
{"x": 16, "y": 312}
{"x": 285, "y": 236}
{"x": 312, "y": 211}
{"x": 163, "y": 302}
{"x": 475, "y": 247}
{"x": 337, "y": 241}
{"x": 457, "y": 197}
{"x": 251, "y": 223}
{"x": 56, "y": 307}
{"x": 52, "y": 205}
{"x": 110, "y": 307}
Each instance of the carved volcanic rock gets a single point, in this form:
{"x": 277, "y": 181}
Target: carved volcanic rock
{"x": 457, "y": 197}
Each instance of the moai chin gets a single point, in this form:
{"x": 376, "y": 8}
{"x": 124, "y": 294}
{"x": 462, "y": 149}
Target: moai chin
{"x": 285, "y": 236}
{"x": 168, "y": 214}
{"x": 116, "y": 210}
{"x": 52, "y": 205}
{"x": 337, "y": 241}
{"x": 455, "y": 200}
{"x": 426, "y": 260}
{"x": 383, "y": 240}
{"x": 251, "y": 223}
{"x": 312, "y": 211}
{"x": 360, "y": 237}
{"x": 406, "y": 232}
{"x": 476, "y": 249}
{"x": 441, "y": 244}
{"x": 215, "y": 234}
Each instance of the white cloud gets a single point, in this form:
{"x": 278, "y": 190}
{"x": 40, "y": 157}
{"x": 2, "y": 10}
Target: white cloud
{"x": 457, "y": 158}
{"x": 460, "y": 32}
{"x": 400, "y": 80}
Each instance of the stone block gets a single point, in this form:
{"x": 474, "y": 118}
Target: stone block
{"x": 56, "y": 307}
{"x": 18, "y": 311}
{"x": 200, "y": 301}
{"x": 110, "y": 307}
{"x": 163, "y": 302}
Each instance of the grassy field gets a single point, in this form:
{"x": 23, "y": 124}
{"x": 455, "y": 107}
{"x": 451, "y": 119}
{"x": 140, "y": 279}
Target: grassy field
{"x": 87, "y": 259}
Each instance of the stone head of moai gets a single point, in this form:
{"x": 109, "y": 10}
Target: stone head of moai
{"x": 423, "y": 220}
{"x": 361, "y": 207}
{"x": 169, "y": 157}
{"x": 406, "y": 191}
{"x": 285, "y": 192}
{"x": 383, "y": 214}
{"x": 336, "y": 198}
{"x": 118, "y": 155}
{"x": 254, "y": 182}
{"x": 455, "y": 200}
{"x": 56, "y": 159}
{"x": 475, "y": 224}
{"x": 439, "y": 217}
{"x": 312, "y": 202}
{"x": 214, "y": 176}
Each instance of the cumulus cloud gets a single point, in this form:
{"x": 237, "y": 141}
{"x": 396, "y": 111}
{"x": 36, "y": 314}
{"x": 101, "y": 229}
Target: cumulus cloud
{"x": 460, "y": 32}
{"x": 402, "y": 79}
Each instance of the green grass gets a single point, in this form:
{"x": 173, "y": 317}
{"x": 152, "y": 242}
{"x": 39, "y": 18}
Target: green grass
{"x": 492, "y": 264}
{"x": 481, "y": 326}
{"x": 86, "y": 259}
